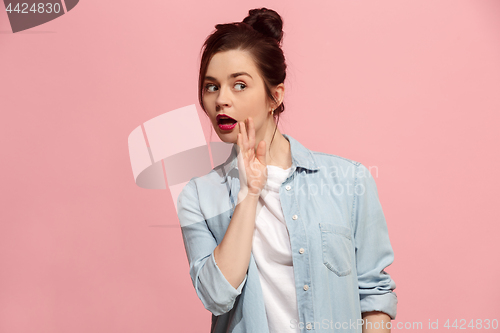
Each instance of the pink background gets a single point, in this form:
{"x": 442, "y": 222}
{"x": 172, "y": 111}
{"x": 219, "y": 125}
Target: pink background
{"x": 410, "y": 87}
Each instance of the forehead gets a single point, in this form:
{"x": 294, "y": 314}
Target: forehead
{"x": 228, "y": 62}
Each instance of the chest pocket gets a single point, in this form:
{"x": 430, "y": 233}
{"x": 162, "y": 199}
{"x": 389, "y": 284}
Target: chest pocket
{"x": 336, "y": 247}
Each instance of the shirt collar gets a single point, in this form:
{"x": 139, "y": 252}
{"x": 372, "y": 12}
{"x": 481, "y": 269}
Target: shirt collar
{"x": 301, "y": 157}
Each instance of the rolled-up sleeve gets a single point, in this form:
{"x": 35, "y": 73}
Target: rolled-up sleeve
{"x": 213, "y": 289}
{"x": 373, "y": 249}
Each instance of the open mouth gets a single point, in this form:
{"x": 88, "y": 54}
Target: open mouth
{"x": 223, "y": 119}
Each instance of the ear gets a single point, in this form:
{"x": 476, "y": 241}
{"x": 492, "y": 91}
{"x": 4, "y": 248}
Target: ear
{"x": 279, "y": 94}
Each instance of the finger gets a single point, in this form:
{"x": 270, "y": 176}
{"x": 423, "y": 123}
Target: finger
{"x": 241, "y": 152}
{"x": 251, "y": 133}
{"x": 238, "y": 143}
{"x": 244, "y": 136}
{"x": 261, "y": 152}
{"x": 240, "y": 134}
{"x": 241, "y": 161}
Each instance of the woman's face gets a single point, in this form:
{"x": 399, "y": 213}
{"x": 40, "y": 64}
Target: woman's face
{"x": 233, "y": 87}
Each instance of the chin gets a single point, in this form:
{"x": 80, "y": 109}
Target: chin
{"x": 227, "y": 137}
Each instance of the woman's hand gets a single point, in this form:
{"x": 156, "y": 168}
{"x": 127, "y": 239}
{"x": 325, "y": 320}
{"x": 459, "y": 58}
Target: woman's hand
{"x": 252, "y": 165}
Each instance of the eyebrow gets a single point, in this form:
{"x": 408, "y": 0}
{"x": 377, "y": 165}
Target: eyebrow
{"x": 229, "y": 76}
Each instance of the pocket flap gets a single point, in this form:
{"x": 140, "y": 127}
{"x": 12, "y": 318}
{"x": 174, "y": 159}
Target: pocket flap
{"x": 335, "y": 228}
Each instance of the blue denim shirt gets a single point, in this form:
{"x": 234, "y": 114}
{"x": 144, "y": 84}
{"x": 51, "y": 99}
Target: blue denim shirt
{"x": 338, "y": 236}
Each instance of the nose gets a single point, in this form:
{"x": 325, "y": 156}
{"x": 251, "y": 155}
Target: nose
{"x": 223, "y": 98}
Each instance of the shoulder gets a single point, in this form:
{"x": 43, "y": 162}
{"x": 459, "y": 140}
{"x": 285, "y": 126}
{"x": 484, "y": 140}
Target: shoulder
{"x": 331, "y": 158}
{"x": 214, "y": 177}
{"x": 205, "y": 186}
{"x": 341, "y": 166}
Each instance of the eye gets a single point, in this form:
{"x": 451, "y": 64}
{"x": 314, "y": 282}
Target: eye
{"x": 210, "y": 85}
{"x": 241, "y": 84}
{"x": 207, "y": 87}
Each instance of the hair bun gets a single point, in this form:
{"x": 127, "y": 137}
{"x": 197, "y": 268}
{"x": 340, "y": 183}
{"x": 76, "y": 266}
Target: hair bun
{"x": 266, "y": 21}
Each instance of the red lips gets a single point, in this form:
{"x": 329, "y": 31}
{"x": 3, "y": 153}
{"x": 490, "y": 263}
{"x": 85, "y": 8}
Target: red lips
{"x": 226, "y": 123}
{"x": 220, "y": 118}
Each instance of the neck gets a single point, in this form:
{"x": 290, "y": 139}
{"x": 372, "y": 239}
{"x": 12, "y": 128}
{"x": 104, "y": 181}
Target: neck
{"x": 278, "y": 153}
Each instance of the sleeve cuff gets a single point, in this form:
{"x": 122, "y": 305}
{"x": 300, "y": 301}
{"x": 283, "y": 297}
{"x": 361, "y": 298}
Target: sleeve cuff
{"x": 386, "y": 303}
{"x": 215, "y": 285}
{"x": 232, "y": 292}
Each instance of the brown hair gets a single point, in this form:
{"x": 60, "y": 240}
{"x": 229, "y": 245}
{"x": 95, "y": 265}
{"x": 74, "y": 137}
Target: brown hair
{"x": 260, "y": 34}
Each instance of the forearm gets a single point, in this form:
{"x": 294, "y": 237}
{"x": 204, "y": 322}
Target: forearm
{"x": 376, "y": 322}
{"x": 232, "y": 255}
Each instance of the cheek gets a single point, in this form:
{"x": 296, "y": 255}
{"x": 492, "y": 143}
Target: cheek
{"x": 213, "y": 120}
{"x": 210, "y": 114}
{"x": 207, "y": 99}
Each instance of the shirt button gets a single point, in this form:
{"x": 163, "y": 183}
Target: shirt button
{"x": 288, "y": 187}
{"x": 294, "y": 217}
{"x": 308, "y": 326}
{"x": 306, "y": 287}
{"x": 301, "y": 250}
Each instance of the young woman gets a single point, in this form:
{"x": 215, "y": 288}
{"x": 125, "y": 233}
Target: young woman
{"x": 279, "y": 238}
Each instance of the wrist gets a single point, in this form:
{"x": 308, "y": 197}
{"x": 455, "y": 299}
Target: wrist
{"x": 246, "y": 195}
